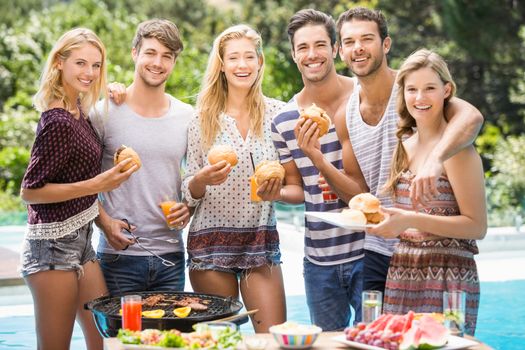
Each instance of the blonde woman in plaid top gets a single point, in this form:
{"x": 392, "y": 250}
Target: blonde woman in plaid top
{"x": 60, "y": 187}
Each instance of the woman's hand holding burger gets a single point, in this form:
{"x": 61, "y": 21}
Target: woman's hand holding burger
{"x": 114, "y": 177}
{"x": 395, "y": 223}
{"x": 270, "y": 190}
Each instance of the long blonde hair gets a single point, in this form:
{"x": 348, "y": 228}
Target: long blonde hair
{"x": 51, "y": 87}
{"x": 211, "y": 102}
{"x": 422, "y": 58}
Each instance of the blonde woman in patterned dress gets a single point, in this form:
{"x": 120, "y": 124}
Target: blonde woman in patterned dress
{"x": 233, "y": 244}
{"x": 439, "y": 255}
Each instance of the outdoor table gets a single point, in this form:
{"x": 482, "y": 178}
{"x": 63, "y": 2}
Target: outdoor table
{"x": 323, "y": 342}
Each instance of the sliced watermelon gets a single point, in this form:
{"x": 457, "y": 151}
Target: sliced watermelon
{"x": 380, "y": 323}
{"x": 409, "y": 318}
{"x": 425, "y": 334}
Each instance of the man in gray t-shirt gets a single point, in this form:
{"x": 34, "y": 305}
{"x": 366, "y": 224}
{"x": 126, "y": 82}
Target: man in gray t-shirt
{"x": 155, "y": 125}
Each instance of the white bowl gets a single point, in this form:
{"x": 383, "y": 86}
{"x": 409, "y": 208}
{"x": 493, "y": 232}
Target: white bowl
{"x": 293, "y": 336}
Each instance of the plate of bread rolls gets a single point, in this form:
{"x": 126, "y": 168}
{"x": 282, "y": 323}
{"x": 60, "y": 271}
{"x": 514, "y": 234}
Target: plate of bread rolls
{"x": 362, "y": 212}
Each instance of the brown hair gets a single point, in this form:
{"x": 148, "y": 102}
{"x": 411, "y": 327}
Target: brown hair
{"x": 405, "y": 127}
{"x": 311, "y": 17}
{"x": 164, "y": 31}
{"x": 364, "y": 14}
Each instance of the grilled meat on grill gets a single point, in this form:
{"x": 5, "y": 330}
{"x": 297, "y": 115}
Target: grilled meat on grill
{"x": 195, "y": 303}
{"x": 152, "y": 300}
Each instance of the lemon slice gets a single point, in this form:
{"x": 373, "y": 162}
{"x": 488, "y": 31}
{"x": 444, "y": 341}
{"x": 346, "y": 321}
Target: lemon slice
{"x": 182, "y": 311}
{"x": 153, "y": 313}
{"x": 371, "y": 303}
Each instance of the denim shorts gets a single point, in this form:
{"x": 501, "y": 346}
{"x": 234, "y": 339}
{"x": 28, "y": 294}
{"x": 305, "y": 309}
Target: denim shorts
{"x": 67, "y": 253}
{"x": 196, "y": 264}
{"x": 331, "y": 290}
{"x": 132, "y": 273}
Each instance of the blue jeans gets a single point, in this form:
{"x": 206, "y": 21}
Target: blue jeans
{"x": 330, "y": 290}
{"x": 375, "y": 271}
{"x": 129, "y": 273}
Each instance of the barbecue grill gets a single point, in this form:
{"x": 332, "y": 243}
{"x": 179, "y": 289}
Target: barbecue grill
{"x": 108, "y": 319}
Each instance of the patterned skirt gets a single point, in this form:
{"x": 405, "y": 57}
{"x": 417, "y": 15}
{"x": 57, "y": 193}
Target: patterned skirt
{"x": 420, "y": 272}
{"x": 234, "y": 248}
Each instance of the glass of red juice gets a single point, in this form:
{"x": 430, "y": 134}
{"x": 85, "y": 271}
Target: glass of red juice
{"x": 131, "y": 312}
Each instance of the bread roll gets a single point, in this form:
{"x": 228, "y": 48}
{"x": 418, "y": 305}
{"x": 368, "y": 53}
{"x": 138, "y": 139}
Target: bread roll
{"x": 374, "y": 218}
{"x": 353, "y": 217}
{"x": 319, "y": 116}
{"x": 366, "y": 202}
{"x": 222, "y": 152}
{"x": 268, "y": 169}
{"x": 124, "y": 152}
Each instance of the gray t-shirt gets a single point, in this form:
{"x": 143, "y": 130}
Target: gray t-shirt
{"x": 161, "y": 144}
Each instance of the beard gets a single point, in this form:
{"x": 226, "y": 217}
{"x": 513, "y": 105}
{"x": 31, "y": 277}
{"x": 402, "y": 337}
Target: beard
{"x": 375, "y": 64}
{"x": 150, "y": 82}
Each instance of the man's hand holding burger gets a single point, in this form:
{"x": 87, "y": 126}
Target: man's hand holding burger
{"x": 312, "y": 124}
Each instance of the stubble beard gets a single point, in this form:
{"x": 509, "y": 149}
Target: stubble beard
{"x": 376, "y": 63}
{"x": 150, "y": 83}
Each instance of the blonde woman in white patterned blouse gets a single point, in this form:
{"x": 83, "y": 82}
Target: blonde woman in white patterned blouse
{"x": 233, "y": 244}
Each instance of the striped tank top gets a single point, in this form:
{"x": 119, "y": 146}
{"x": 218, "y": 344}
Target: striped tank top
{"x": 325, "y": 244}
{"x": 373, "y": 148}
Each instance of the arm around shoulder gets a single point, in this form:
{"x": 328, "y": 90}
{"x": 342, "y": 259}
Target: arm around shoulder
{"x": 464, "y": 123}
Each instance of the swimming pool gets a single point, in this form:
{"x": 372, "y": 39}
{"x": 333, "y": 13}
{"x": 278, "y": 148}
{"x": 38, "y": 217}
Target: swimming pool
{"x": 501, "y": 320}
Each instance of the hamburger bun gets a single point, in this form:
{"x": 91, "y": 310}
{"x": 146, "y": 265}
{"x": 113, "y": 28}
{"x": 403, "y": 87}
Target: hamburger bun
{"x": 319, "y": 116}
{"x": 124, "y": 152}
{"x": 374, "y": 218}
{"x": 268, "y": 169}
{"x": 354, "y": 217}
{"x": 366, "y": 202}
{"x": 222, "y": 152}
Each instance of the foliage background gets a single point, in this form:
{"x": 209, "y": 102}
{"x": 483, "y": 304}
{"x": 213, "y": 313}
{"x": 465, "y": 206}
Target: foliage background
{"x": 483, "y": 42}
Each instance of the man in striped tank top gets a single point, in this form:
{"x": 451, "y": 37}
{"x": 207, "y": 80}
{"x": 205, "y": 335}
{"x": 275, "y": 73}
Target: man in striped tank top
{"x": 371, "y": 124}
{"x": 333, "y": 256}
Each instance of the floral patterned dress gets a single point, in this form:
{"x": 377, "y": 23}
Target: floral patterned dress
{"x": 228, "y": 230}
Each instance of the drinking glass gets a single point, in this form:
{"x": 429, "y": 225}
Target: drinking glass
{"x": 253, "y": 190}
{"x": 328, "y": 195}
{"x": 454, "y": 308}
{"x": 166, "y": 204}
{"x": 131, "y": 312}
{"x": 371, "y": 305}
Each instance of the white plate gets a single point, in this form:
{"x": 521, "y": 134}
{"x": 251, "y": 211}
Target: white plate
{"x": 454, "y": 343}
{"x": 336, "y": 219}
